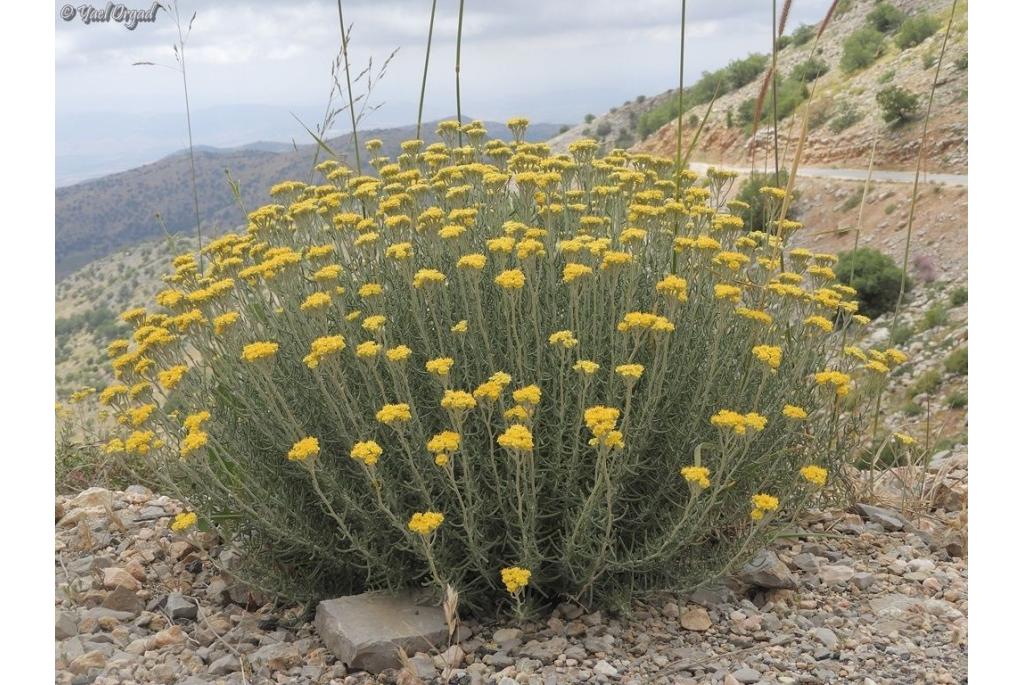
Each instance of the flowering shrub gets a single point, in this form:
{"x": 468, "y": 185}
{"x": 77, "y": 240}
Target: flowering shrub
{"x": 523, "y": 374}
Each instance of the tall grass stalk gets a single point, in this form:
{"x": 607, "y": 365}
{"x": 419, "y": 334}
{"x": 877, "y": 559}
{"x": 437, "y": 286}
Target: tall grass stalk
{"x": 426, "y": 64}
{"x": 179, "y": 56}
{"x": 458, "y": 67}
{"x": 917, "y": 171}
{"x": 679, "y": 121}
{"x": 348, "y": 83}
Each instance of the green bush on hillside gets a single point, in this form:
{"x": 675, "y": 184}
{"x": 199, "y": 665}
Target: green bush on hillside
{"x": 809, "y": 69}
{"x": 956, "y": 362}
{"x": 803, "y": 34}
{"x": 875, "y": 276}
{"x": 897, "y": 103}
{"x": 886, "y": 18}
{"x": 847, "y": 115}
{"x": 861, "y": 49}
{"x": 916, "y": 30}
{"x": 791, "y": 93}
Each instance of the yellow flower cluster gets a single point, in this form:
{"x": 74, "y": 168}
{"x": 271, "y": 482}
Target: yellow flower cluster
{"x": 517, "y": 438}
{"x": 601, "y": 421}
{"x": 259, "y": 350}
{"x": 425, "y": 523}
{"x": 443, "y": 446}
{"x": 698, "y": 475}
{"x": 739, "y": 423}
{"x": 654, "y": 322}
{"x": 367, "y": 452}
{"x": 391, "y": 414}
{"x": 763, "y": 504}
{"x": 770, "y": 355}
{"x": 515, "y": 578}
{"x": 814, "y": 474}
{"x": 184, "y": 521}
{"x": 304, "y": 449}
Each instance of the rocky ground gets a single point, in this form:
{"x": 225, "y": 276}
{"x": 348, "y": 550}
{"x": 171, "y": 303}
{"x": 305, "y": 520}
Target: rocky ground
{"x": 864, "y": 596}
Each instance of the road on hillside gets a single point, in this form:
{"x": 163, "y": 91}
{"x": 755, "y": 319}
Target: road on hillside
{"x": 879, "y": 175}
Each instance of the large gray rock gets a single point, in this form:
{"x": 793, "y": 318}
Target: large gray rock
{"x": 767, "y": 570}
{"x": 886, "y": 518}
{"x": 365, "y": 631}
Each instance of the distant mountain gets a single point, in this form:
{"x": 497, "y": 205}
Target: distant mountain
{"x": 97, "y": 217}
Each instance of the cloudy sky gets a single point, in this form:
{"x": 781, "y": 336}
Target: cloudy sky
{"x": 251, "y": 63}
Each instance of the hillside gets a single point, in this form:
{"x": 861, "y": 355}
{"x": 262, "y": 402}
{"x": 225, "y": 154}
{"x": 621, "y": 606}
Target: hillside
{"x": 95, "y": 218}
{"x": 845, "y": 119}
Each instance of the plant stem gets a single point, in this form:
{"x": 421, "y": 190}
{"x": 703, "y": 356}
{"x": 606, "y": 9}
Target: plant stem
{"x": 191, "y": 149}
{"x": 679, "y": 120}
{"x": 458, "y": 64}
{"x": 348, "y": 83}
{"x": 426, "y": 63}
{"x": 917, "y": 172}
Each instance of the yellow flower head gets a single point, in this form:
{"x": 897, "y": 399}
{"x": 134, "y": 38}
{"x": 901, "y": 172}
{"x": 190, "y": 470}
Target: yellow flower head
{"x": 391, "y": 414}
{"x": 630, "y": 371}
{"x": 573, "y": 271}
{"x": 367, "y": 452}
{"x": 673, "y": 286}
{"x": 367, "y": 350}
{"x": 794, "y": 412}
{"x": 511, "y": 279}
{"x": 724, "y": 291}
{"x": 474, "y": 261}
{"x": 168, "y": 378}
{"x": 904, "y": 439}
{"x": 527, "y": 395}
{"x": 772, "y": 356}
{"x": 259, "y": 350}
{"x": 427, "y": 276}
{"x": 222, "y": 322}
{"x": 814, "y": 475}
{"x": 564, "y": 339}
{"x": 184, "y": 521}
{"x": 517, "y": 437}
{"x": 586, "y": 367}
{"x": 322, "y": 347}
{"x": 461, "y": 327}
{"x": 764, "y": 502}
{"x": 370, "y": 290}
{"x": 426, "y": 522}
{"x": 445, "y": 442}
{"x": 374, "y": 322}
{"x": 515, "y": 578}
{"x": 194, "y": 440}
{"x": 399, "y": 353}
{"x": 820, "y": 322}
{"x": 699, "y": 475}
{"x": 304, "y": 449}
{"x": 440, "y": 366}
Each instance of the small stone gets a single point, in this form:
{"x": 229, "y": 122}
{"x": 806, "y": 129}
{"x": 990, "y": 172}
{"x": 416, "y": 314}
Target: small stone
{"x": 65, "y": 625}
{"x": 826, "y": 637}
{"x": 279, "y": 656}
{"x": 228, "y": 663}
{"x": 123, "y": 599}
{"x": 117, "y": 577}
{"x": 767, "y": 571}
{"x": 424, "y": 666}
{"x": 166, "y": 637}
{"x": 180, "y": 607}
{"x": 604, "y": 668}
{"x": 887, "y": 518}
{"x": 93, "y": 497}
{"x": 695, "y": 618}
{"x": 88, "y": 661}
{"x": 835, "y": 574}
{"x": 504, "y": 635}
{"x": 746, "y": 675}
{"x": 862, "y": 580}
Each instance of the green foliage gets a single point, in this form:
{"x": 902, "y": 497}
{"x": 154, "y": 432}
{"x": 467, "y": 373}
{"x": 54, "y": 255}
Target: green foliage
{"x": 736, "y": 74}
{"x": 783, "y": 42}
{"x": 534, "y": 472}
{"x": 804, "y": 34}
{"x": 861, "y": 49}
{"x": 916, "y": 30}
{"x": 563, "y": 128}
{"x": 961, "y": 62}
{"x": 603, "y": 129}
{"x": 959, "y": 297}
{"x": 928, "y": 60}
{"x": 956, "y": 362}
{"x": 809, "y": 69}
{"x": 887, "y": 76}
{"x": 912, "y": 409}
{"x": 935, "y": 315}
{"x": 957, "y": 400}
{"x": 854, "y": 199}
{"x": 749, "y": 192}
{"x": 886, "y": 18}
{"x": 847, "y": 116}
{"x": 875, "y": 276}
{"x": 902, "y": 334}
{"x": 640, "y": 98}
{"x": 791, "y": 92}
{"x": 589, "y": 118}
{"x": 926, "y": 384}
{"x": 897, "y": 103}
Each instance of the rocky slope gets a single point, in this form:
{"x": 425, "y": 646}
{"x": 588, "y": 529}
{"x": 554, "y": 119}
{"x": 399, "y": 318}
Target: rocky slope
{"x": 866, "y": 596}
